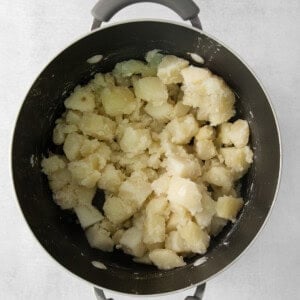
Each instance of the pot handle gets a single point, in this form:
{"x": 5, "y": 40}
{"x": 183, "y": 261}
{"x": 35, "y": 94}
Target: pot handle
{"x": 197, "y": 296}
{"x": 104, "y": 10}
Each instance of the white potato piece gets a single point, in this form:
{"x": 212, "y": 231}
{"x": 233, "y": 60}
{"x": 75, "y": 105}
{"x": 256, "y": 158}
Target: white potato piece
{"x": 89, "y": 146}
{"x": 154, "y": 228}
{"x": 219, "y": 176}
{"x": 118, "y": 100}
{"x": 81, "y": 99}
{"x": 187, "y": 167}
{"x": 194, "y": 75}
{"x": 238, "y": 159}
{"x": 239, "y": 133}
{"x": 180, "y": 110}
{"x": 223, "y": 136}
{"x": 97, "y": 126}
{"x": 205, "y": 149}
{"x": 216, "y": 226}
{"x": 166, "y": 259}
{"x": 99, "y": 238}
{"x": 212, "y": 97}
{"x": 179, "y": 217}
{"x": 59, "y": 179}
{"x": 61, "y": 130}
{"x": 118, "y": 210}
{"x": 71, "y": 195}
{"x": 228, "y": 207}
{"x": 135, "y": 140}
{"x": 169, "y": 69}
{"x": 136, "y": 189}
{"x": 151, "y": 89}
{"x": 73, "y": 117}
{"x": 88, "y": 215}
{"x": 131, "y": 242}
{"x": 72, "y": 146}
{"x": 158, "y": 206}
{"x": 52, "y": 164}
{"x": 196, "y": 240}
{"x": 185, "y": 192}
{"x": 160, "y": 186}
{"x": 162, "y": 112}
{"x": 129, "y": 67}
{"x": 111, "y": 179}
{"x": 205, "y": 133}
{"x": 182, "y": 129}
{"x": 203, "y": 218}
{"x": 83, "y": 173}
{"x": 175, "y": 242}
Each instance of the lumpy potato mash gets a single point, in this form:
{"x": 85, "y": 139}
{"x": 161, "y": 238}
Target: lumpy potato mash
{"x": 155, "y": 136}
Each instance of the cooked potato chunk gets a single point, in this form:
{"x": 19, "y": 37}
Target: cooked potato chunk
{"x": 224, "y": 134}
{"x": 239, "y": 133}
{"x": 73, "y": 117}
{"x": 135, "y": 140}
{"x": 169, "y": 69}
{"x": 161, "y": 185}
{"x": 59, "y": 179}
{"x": 179, "y": 217}
{"x": 118, "y": 210}
{"x": 83, "y": 173}
{"x": 118, "y": 100}
{"x": 196, "y": 240}
{"x": 99, "y": 238}
{"x": 73, "y": 145}
{"x": 151, "y": 89}
{"x": 238, "y": 159}
{"x": 162, "y": 112}
{"x": 71, "y": 195}
{"x": 52, "y": 164}
{"x": 89, "y": 146}
{"x": 205, "y": 133}
{"x": 228, "y": 207}
{"x": 205, "y": 149}
{"x": 110, "y": 179}
{"x": 187, "y": 167}
{"x": 219, "y": 176}
{"x": 203, "y": 218}
{"x": 135, "y": 189}
{"x": 60, "y": 131}
{"x": 182, "y": 129}
{"x": 194, "y": 76}
{"x": 186, "y": 193}
{"x": 166, "y": 259}
{"x": 82, "y": 99}
{"x": 88, "y": 215}
{"x": 131, "y": 242}
{"x": 175, "y": 242}
{"x": 209, "y": 94}
{"x": 97, "y": 126}
{"x": 158, "y": 206}
{"x": 154, "y": 228}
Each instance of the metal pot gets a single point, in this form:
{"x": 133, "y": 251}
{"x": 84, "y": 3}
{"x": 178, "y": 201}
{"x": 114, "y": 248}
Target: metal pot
{"x": 57, "y": 230}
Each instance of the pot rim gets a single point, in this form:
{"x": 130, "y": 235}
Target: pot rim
{"x": 178, "y": 23}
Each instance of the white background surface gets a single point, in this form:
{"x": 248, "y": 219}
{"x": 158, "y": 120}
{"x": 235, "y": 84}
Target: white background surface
{"x": 265, "y": 33}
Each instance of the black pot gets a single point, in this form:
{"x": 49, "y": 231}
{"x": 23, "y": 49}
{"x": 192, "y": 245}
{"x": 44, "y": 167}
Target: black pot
{"x": 57, "y": 230}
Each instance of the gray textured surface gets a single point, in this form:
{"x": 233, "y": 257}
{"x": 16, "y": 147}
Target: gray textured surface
{"x": 265, "y": 33}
